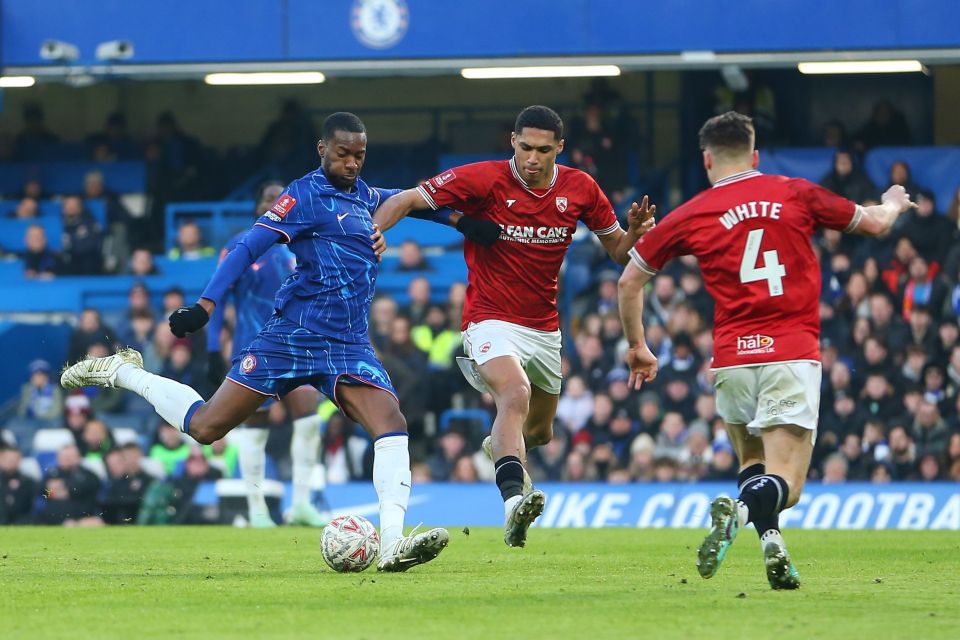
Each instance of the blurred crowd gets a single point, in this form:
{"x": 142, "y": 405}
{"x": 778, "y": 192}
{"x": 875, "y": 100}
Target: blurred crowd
{"x": 890, "y": 407}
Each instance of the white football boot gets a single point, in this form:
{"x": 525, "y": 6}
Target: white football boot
{"x": 522, "y": 516}
{"x": 99, "y": 372}
{"x": 413, "y": 549}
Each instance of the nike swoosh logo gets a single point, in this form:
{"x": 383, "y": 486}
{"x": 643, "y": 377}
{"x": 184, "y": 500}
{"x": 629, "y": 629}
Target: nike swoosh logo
{"x": 341, "y": 216}
{"x": 404, "y": 484}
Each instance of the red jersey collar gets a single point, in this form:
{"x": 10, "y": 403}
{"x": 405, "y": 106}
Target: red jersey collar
{"x": 737, "y": 177}
{"x": 516, "y": 176}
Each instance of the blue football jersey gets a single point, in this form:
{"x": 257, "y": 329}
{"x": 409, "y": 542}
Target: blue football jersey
{"x": 254, "y": 292}
{"x": 328, "y": 231}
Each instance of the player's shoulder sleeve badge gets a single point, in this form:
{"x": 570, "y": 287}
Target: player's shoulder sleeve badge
{"x": 444, "y": 178}
{"x": 281, "y": 207}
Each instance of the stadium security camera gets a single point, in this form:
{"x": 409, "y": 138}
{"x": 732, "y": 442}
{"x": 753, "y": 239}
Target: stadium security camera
{"x": 60, "y": 51}
{"x": 115, "y": 50}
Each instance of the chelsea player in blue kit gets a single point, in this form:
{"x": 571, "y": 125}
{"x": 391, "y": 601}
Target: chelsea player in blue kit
{"x": 253, "y": 296}
{"x": 317, "y": 335}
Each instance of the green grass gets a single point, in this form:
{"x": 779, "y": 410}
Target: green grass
{"x": 614, "y": 583}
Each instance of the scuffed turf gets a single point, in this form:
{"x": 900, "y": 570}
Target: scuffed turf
{"x": 190, "y": 582}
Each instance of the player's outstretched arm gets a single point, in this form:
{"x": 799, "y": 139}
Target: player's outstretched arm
{"x": 396, "y": 207}
{"x": 253, "y": 245}
{"x": 639, "y": 358}
{"x": 640, "y": 219}
{"x": 878, "y": 219}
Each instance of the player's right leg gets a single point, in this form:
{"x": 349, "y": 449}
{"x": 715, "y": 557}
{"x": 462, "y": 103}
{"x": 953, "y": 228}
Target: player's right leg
{"x": 377, "y": 409}
{"x": 301, "y": 403}
{"x": 176, "y": 403}
{"x": 511, "y": 392}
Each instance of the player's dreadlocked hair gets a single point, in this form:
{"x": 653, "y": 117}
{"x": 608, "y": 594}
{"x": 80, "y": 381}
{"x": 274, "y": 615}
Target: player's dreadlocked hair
{"x": 540, "y": 117}
{"x": 728, "y": 133}
{"x": 342, "y": 121}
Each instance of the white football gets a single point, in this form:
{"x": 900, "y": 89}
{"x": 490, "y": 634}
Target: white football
{"x": 349, "y": 543}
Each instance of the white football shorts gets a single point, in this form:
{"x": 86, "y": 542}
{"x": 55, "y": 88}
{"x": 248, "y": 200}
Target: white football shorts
{"x": 537, "y": 351}
{"x": 770, "y": 395}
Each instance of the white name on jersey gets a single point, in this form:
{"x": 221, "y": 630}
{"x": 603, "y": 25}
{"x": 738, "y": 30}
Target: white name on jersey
{"x": 741, "y": 212}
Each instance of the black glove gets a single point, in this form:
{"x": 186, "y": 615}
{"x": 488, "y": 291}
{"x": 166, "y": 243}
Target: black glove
{"x": 188, "y": 319}
{"x": 483, "y": 232}
{"x": 216, "y": 368}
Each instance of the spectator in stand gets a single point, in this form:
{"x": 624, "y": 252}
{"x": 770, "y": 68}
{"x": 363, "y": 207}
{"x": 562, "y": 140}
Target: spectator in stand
{"x": 283, "y": 141}
{"x": 126, "y": 485}
{"x": 673, "y": 433}
{"x": 575, "y": 405}
{"x": 90, "y": 329}
{"x": 82, "y": 240}
{"x": 858, "y": 462}
{"x": 835, "y": 469}
{"x": 40, "y": 398}
{"x": 170, "y": 448}
{"x": 407, "y": 366}
{"x": 172, "y": 297}
{"x": 33, "y": 188}
{"x": 411, "y": 257}
{"x": 847, "y": 179}
{"x": 650, "y": 413}
{"x": 886, "y": 325}
{"x": 452, "y": 446}
{"x": 887, "y": 127}
{"x": 923, "y": 289}
{"x": 902, "y": 453}
{"x": 930, "y": 233}
{"x": 38, "y": 260}
{"x": 901, "y": 174}
{"x": 930, "y": 432}
{"x": 664, "y": 299}
{"x": 929, "y": 468}
{"x": 641, "y": 458}
{"x": 97, "y": 439}
{"x": 722, "y": 464}
{"x": 27, "y": 209}
{"x": 547, "y": 461}
{"x": 696, "y": 455}
{"x": 464, "y": 470}
{"x": 141, "y": 263}
{"x": 114, "y": 142}
{"x": 35, "y": 140}
{"x": 17, "y": 491}
{"x": 121, "y": 226}
{"x": 82, "y": 485}
{"x": 419, "y": 293}
{"x": 76, "y": 412}
{"x": 190, "y": 244}
{"x": 223, "y": 456}
{"x": 383, "y": 310}
{"x": 196, "y": 470}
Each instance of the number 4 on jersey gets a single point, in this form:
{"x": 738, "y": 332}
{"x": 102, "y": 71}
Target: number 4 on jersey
{"x": 771, "y": 271}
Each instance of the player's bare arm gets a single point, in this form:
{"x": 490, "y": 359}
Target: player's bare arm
{"x": 639, "y": 358}
{"x": 878, "y": 219}
{"x": 640, "y": 219}
{"x": 397, "y": 207}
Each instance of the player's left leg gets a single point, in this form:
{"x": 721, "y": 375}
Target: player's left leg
{"x": 788, "y": 449}
{"x": 301, "y": 404}
{"x": 379, "y": 412}
{"x": 788, "y": 409}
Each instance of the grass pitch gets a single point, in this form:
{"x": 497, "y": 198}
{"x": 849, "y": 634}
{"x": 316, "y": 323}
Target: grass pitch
{"x": 186, "y": 582}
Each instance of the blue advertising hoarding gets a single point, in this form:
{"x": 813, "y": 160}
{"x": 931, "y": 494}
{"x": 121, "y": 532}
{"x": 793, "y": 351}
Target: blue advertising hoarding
{"x": 847, "y": 506}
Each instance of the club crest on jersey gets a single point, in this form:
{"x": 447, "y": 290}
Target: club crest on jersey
{"x": 444, "y": 178}
{"x": 485, "y": 347}
{"x": 249, "y": 363}
{"x": 561, "y": 204}
{"x": 281, "y": 208}
{"x": 750, "y": 345}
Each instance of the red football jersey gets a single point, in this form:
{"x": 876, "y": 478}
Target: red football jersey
{"x": 751, "y": 234}
{"x": 515, "y": 279}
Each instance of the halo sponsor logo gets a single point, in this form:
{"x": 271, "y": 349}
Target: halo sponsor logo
{"x": 758, "y": 343}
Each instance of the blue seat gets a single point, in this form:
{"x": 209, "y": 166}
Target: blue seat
{"x": 427, "y": 234}
{"x": 67, "y": 176}
{"x": 811, "y": 164}
{"x": 935, "y": 168}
